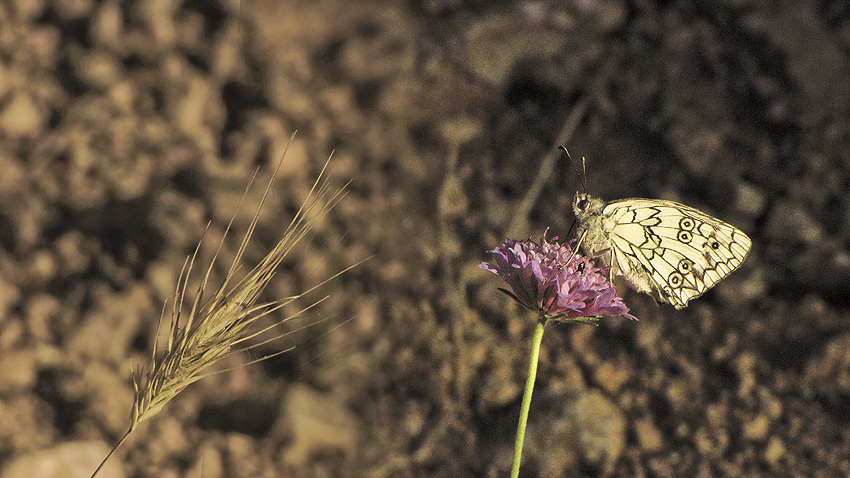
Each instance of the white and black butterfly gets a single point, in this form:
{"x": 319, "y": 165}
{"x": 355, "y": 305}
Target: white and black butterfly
{"x": 668, "y": 250}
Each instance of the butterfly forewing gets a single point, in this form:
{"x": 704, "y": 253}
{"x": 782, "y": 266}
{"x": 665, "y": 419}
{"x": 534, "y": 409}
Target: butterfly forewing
{"x": 667, "y": 249}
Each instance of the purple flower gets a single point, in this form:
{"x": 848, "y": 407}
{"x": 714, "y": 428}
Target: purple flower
{"x": 542, "y": 280}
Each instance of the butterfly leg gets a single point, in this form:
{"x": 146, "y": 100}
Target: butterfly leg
{"x": 606, "y": 255}
{"x": 575, "y": 250}
{"x": 612, "y": 259}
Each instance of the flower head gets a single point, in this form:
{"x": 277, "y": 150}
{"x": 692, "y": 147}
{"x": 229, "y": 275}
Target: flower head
{"x": 550, "y": 279}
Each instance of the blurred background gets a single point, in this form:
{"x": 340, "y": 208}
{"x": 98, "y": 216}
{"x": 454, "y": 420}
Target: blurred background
{"x": 126, "y": 126}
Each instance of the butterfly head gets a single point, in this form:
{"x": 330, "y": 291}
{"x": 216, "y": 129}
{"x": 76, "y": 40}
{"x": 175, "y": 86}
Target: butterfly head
{"x": 585, "y": 206}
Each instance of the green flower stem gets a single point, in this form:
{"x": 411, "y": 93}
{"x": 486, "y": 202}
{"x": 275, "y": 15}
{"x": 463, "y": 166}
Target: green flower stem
{"x": 526, "y": 396}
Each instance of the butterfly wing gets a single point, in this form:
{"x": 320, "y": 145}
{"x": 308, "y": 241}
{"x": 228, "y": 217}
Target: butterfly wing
{"x": 674, "y": 251}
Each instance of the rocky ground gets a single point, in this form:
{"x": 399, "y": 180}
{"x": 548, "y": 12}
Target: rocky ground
{"x": 126, "y": 126}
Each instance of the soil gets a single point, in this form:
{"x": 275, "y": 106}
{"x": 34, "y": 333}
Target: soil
{"x": 125, "y": 127}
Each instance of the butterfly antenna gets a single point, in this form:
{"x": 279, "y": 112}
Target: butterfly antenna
{"x": 581, "y": 175}
{"x": 583, "y": 168}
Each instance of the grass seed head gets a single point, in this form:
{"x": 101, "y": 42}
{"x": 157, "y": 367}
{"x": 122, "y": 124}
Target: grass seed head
{"x": 225, "y": 322}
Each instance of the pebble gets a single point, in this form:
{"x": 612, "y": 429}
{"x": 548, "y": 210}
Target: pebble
{"x": 317, "y": 421}
{"x": 17, "y": 371}
{"x": 68, "y": 460}
{"x": 21, "y": 117}
{"x": 602, "y": 427}
{"x": 495, "y": 44}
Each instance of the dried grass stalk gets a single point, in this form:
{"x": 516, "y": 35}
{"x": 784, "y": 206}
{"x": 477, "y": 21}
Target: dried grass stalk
{"x": 222, "y": 325}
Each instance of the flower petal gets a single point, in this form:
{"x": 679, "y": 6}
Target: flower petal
{"x": 546, "y": 277}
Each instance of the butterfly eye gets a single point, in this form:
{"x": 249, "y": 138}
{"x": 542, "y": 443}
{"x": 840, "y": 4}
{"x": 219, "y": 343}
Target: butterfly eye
{"x": 582, "y": 204}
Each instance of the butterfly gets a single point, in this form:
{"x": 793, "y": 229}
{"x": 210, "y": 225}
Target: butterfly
{"x": 668, "y": 250}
